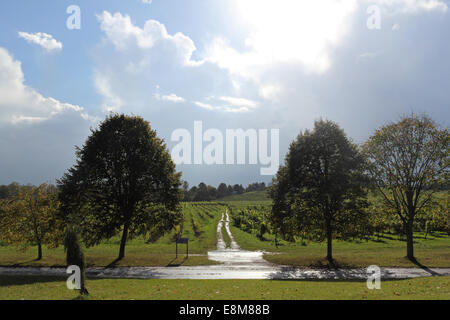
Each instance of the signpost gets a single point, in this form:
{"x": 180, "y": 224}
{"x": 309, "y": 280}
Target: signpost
{"x": 183, "y": 241}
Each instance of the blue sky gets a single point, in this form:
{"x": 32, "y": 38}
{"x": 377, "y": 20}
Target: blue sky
{"x": 231, "y": 64}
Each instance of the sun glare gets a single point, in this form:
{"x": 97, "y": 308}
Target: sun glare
{"x": 303, "y": 31}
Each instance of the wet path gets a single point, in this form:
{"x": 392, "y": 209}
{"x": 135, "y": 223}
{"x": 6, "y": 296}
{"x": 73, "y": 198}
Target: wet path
{"x": 234, "y": 256}
{"x": 232, "y": 272}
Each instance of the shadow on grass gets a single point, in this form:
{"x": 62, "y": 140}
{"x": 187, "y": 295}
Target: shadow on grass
{"x": 378, "y": 240}
{"x": 113, "y": 263}
{"x": 392, "y": 237}
{"x": 315, "y": 279}
{"x": 439, "y": 235}
{"x": 173, "y": 264}
{"x": 22, "y": 264}
{"x": 402, "y": 237}
{"x": 425, "y": 268}
{"x": 334, "y": 264}
{"x": 24, "y": 280}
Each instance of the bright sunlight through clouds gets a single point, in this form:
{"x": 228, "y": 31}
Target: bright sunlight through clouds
{"x": 289, "y": 31}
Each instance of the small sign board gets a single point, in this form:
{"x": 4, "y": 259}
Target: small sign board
{"x": 182, "y": 240}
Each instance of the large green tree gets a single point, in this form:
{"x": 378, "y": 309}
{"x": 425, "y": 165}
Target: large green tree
{"x": 408, "y": 161}
{"x": 320, "y": 193}
{"x": 30, "y": 218}
{"x": 124, "y": 181}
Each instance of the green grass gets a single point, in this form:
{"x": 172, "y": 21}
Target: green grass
{"x": 138, "y": 252}
{"x": 226, "y": 237}
{"x": 31, "y": 288}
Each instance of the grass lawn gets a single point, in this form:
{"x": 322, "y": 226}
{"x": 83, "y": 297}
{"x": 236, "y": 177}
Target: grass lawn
{"x": 226, "y": 237}
{"x": 30, "y": 287}
{"x": 138, "y": 252}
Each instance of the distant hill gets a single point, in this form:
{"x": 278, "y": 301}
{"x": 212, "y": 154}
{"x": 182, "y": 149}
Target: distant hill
{"x": 247, "y": 196}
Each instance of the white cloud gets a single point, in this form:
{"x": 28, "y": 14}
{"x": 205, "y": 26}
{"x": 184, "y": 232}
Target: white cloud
{"x": 368, "y": 56}
{"x": 287, "y": 36}
{"x": 298, "y": 32}
{"x": 228, "y": 104}
{"x": 219, "y": 51}
{"x": 239, "y": 102}
{"x": 224, "y": 103}
{"x": 396, "y": 27}
{"x": 149, "y": 56}
{"x": 147, "y": 1}
{"x": 270, "y": 92}
{"x": 22, "y": 104}
{"x": 112, "y": 102}
{"x": 24, "y": 119}
{"x": 170, "y": 98}
{"x": 205, "y": 106}
{"x": 45, "y": 40}
{"x": 125, "y": 35}
{"x": 285, "y": 31}
{"x": 235, "y": 109}
{"x": 412, "y": 6}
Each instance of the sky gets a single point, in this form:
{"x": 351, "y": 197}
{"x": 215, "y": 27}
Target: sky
{"x": 232, "y": 64}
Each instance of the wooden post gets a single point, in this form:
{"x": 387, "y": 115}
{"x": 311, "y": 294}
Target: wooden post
{"x": 186, "y": 242}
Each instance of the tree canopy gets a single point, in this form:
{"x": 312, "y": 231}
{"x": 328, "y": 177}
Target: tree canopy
{"x": 408, "y": 163}
{"x": 30, "y": 218}
{"x": 319, "y": 192}
{"x": 124, "y": 181}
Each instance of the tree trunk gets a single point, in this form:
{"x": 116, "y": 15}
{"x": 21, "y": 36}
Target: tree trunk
{"x": 409, "y": 240}
{"x": 329, "y": 242}
{"x": 39, "y": 251}
{"x": 123, "y": 241}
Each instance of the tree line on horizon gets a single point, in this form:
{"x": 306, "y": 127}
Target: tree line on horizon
{"x": 204, "y": 192}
